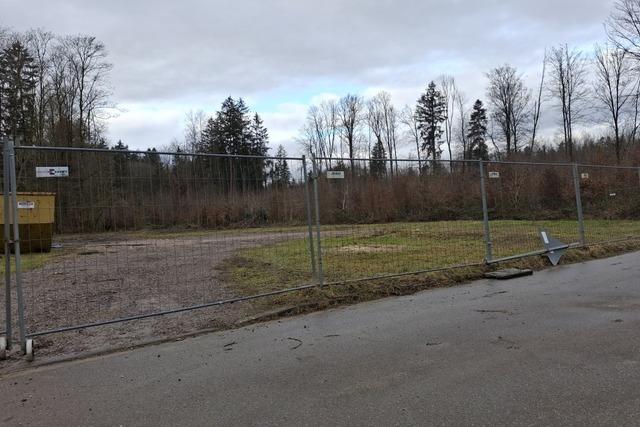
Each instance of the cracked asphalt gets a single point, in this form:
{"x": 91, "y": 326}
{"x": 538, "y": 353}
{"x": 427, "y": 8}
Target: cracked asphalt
{"x": 559, "y": 347}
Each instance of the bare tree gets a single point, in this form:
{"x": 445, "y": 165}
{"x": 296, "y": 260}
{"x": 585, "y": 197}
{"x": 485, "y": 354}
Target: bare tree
{"x": 63, "y": 95}
{"x": 449, "y": 92}
{"x": 350, "y": 116}
{"x": 382, "y": 119}
{"x": 623, "y": 26}
{"x": 312, "y": 138}
{"x": 614, "y": 87}
{"x": 87, "y": 62}
{"x": 509, "y": 102}
{"x": 39, "y": 43}
{"x": 306, "y": 139}
{"x": 320, "y": 131}
{"x": 195, "y": 122}
{"x": 633, "y": 122}
{"x": 491, "y": 134}
{"x": 623, "y": 29}
{"x": 390, "y": 126}
{"x": 408, "y": 118}
{"x": 461, "y": 128}
{"x": 329, "y": 116}
{"x": 375, "y": 122}
{"x": 568, "y": 84}
{"x": 537, "y": 106}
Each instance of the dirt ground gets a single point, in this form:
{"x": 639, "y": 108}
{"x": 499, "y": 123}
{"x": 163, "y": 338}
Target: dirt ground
{"x": 102, "y": 277}
{"x": 95, "y": 278}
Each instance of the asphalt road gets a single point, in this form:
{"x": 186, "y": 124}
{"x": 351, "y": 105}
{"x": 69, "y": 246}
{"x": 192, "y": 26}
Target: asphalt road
{"x": 559, "y": 347}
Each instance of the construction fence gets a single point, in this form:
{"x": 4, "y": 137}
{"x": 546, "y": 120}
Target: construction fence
{"x": 96, "y": 237}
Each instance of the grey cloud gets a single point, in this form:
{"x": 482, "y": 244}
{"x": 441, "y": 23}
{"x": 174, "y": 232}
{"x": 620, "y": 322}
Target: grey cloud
{"x": 163, "y": 50}
{"x": 190, "y": 54}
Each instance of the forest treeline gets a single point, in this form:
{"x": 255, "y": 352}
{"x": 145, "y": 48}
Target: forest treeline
{"x": 598, "y": 89}
{"x": 55, "y": 91}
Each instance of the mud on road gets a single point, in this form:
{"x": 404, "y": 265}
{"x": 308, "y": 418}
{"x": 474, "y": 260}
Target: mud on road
{"x": 97, "y": 278}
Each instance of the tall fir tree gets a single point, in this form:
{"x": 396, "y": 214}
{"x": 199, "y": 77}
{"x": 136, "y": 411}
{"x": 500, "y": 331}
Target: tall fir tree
{"x": 477, "y": 135}
{"x": 430, "y": 114}
{"x": 18, "y": 75}
{"x": 378, "y": 163}
{"x": 234, "y": 131}
{"x": 228, "y": 132}
{"x": 259, "y": 137}
{"x": 259, "y": 140}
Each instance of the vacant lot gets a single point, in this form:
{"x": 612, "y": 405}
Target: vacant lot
{"x": 100, "y": 277}
{"x": 353, "y": 252}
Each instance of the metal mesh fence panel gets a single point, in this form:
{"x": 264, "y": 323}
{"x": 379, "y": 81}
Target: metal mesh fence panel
{"x": 524, "y": 199}
{"x": 136, "y": 234}
{"x": 114, "y": 235}
{"x": 611, "y": 202}
{"x": 384, "y": 218}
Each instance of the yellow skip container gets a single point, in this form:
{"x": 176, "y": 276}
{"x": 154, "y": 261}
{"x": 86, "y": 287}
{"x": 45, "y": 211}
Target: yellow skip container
{"x": 36, "y": 216}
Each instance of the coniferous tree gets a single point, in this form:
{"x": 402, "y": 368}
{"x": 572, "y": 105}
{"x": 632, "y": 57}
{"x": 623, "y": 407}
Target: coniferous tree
{"x": 477, "y": 135}
{"x": 378, "y": 162}
{"x": 120, "y": 164}
{"x": 17, "y": 92}
{"x": 259, "y": 137}
{"x": 233, "y": 131}
{"x": 259, "y": 140}
{"x": 152, "y": 158}
{"x": 430, "y": 114}
{"x": 280, "y": 173}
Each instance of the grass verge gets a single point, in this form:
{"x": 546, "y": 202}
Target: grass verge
{"x": 369, "y": 250}
{"x": 317, "y": 299}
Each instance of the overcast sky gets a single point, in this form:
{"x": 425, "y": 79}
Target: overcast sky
{"x": 281, "y": 55}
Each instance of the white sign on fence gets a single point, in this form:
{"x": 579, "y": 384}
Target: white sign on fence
{"x": 25, "y": 204}
{"x": 584, "y": 175}
{"x": 52, "y": 171}
{"x": 494, "y": 175}
{"x": 335, "y": 174}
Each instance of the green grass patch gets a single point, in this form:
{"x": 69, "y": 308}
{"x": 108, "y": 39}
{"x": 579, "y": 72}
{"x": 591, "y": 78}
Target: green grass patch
{"x": 360, "y": 251}
{"x": 30, "y": 261}
{"x": 252, "y": 277}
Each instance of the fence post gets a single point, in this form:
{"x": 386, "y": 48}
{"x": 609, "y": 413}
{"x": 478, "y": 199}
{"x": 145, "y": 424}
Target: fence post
{"x": 7, "y": 236}
{"x": 576, "y": 186}
{"x": 317, "y": 212}
{"x": 485, "y": 215}
{"x": 16, "y": 245}
{"x": 307, "y": 202}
